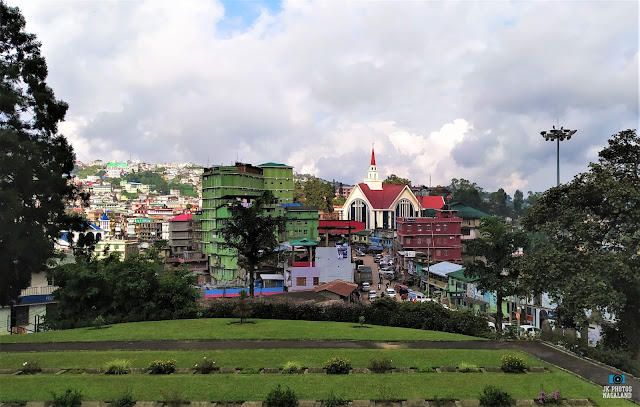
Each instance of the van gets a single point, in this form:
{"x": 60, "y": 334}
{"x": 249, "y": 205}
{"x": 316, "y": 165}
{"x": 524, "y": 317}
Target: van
{"x": 366, "y": 287}
{"x": 529, "y": 330}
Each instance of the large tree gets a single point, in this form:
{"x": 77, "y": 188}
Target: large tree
{"x": 467, "y": 192}
{"x": 252, "y": 231}
{"x": 35, "y": 161}
{"x": 495, "y": 267}
{"x": 518, "y": 201}
{"x": 588, "y": 255}
{"x": 393, "y": 179}
{"x": 319, "y": 194}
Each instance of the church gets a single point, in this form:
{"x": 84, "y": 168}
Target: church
{"x": 377, "y": 205}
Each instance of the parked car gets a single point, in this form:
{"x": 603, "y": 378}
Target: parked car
{"x": 416, "y": 296}
{"x": 390, "y": 292}
{"x": 372, "y": 295}
{"x": 365, "y": 286}
{"x": 529, "y": 330}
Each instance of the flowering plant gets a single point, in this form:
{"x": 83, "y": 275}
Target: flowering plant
{"x": 31, "y": 367}
{"x": 206, "y": 366}
{"x": 162, "y": 366}
{"x": 172, "y": 397}
{"x": 546, "y": 399}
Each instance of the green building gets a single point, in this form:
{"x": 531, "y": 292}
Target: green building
{"x": 224, "y": 184}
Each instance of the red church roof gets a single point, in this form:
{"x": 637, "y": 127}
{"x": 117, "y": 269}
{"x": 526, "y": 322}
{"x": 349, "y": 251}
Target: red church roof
{"x": 432, "y": 202}
{"x": 382, "y": 199}
{"x": 373, "y": 157}
{"x": 182, "y": 218}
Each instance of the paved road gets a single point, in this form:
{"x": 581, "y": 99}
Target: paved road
{"x": 593, "y": 372}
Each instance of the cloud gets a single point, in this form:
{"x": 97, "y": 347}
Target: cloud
{"x": 443, "y": 89}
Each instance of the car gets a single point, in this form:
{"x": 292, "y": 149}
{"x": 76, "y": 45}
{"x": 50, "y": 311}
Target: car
{"x": 401, "y": 287}
{"x": 528, "y": 330}
{"x": 372, "y": 295}
{"x": 416, "y": 296}
{"x": 365, "y": 286}
{"x": 390, "y": 292}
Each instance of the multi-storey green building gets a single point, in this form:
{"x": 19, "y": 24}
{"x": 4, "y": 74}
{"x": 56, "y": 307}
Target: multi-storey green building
{"x": 224, "y": 184}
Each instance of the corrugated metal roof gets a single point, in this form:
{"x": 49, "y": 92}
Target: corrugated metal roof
{"x": 444, "y": 268}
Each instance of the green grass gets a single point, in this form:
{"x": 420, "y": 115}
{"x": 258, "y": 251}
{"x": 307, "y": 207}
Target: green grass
{"x": 260, "y": 358}
{"x": 219, "y": 329}
{"x": 254, "y": 387}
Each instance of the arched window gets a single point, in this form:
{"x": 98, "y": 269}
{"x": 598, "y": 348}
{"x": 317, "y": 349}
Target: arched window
{"x": 358, "y": 211}
{"x": 404, "y": 209}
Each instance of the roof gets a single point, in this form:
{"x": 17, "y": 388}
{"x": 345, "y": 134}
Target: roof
{"x": 444, "y": 268}
{"x": 265, "y": 276}
{"x": 182, "y": 218}
{"x": 273, "y": 165}
{"x": 459, "y": 275}
{"x": 373, "y": 157}
{"x": 303, "y": 242}
{"x": 431, "y": 202}
{"x": 104, "y": 217}
{"x": 338, "y": 227}
{"x": 342, "y": 288}
{"x": 467, "y": 212}
{"x": 382, "y": 199}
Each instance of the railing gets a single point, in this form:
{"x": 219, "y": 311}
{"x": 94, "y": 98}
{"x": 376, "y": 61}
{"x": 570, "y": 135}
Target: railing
{"x": 38, "y": 290}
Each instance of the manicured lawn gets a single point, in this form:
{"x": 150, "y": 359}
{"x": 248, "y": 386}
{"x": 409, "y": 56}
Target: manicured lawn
{"x": 260, "y": 358}
{"x": 220, "y": 329}
{"x": 256, "y": 387}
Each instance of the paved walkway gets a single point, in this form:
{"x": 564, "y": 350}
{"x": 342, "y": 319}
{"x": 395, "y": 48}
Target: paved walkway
{"x": 593, "y": 372}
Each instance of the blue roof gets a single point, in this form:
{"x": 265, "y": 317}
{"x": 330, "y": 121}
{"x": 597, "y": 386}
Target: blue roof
{"x": 104, "y": 217}
{"x": 443, "y": 268}
{"x": 94, "y": 227}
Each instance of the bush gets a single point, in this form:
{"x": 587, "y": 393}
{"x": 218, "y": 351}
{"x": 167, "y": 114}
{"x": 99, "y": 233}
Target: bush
{"x": 206, "y": 366}
{"x": 70, "y": 398}
{"x": 334, "y": 401}
{"x": 172, "y": 397}
{"x": 468, "y": 368}
{"x": 31, "y": 367}
{"x": 380, "y": 365}
{"x": 117, "y": 366}
{"x": 125, "y": 400}
{"x": 281, "y": 398}
{"x": 250, "y": 370}
{"x": 338, "y": 366}
{"x": 513, "y": 364}
{"x": 361, "y": 320}
{"x": 546, "y": 399}
{"x": 426, "y": 369}
{"x": 291, "y": 368}
{"x": 162, "y": 366}
{"x": 494, "y": 397}
{"x": 616, "y": 358}
{"x": 98, "y": 322}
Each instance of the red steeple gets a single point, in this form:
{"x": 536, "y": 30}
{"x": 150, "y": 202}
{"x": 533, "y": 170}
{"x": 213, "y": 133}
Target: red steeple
{"x": 373, "y": 157}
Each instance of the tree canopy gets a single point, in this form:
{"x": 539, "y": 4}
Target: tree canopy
{"x": 319, "y": 193}
{"x": 589, "y": 241}
{"x": 393, "y": 179}
{"x": 253, "y": 232}
{"x": 494, "y": 266}
{"x": 35, "y": 163}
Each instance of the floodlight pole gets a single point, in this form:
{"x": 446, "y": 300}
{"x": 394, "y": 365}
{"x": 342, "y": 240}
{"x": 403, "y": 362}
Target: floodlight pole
{"x": 558, "y": 135}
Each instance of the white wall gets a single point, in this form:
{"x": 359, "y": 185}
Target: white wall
{"x": 331, "y": 268}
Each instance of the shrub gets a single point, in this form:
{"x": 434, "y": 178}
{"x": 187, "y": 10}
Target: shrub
{"x": 338, "y": 366}
{"x": 513, "y": 364}
{"x": 31, "y": 367}
{"x": 380, "y": 365}
{"x": 494, "y": 397}
{"x": 98, "y": 322}
{"x": 125, "y": 400}
{"x": 334, "y": 401}
{"x": 425, "y": 369}
{"x": 361, "y": 320}
{"x": 162, "y": 366}
{"x": 546, "y": 334}
{"x": 70, "y": 398}
{"x": 546, "y": 399}
{"x": 281, "y": 398}
{"x": 291, "y": 368}
{"x": 206, "y": 366}
{"x": 250, "y": 370}
{"x": 616, "y": 358}
{"x": 117, "y": 366}
{"x": 172, "y": 397}
{"x": 468, "y": 368}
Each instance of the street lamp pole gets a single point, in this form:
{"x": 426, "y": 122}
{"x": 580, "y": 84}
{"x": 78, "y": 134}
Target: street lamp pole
{"x": 558, "y": 135}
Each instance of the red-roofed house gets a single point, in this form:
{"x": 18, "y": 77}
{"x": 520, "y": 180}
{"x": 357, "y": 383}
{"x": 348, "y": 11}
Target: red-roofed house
{"x": 377, "y": 205}
{"x": 181, "y": 234}
{"x": 338, "y": 290}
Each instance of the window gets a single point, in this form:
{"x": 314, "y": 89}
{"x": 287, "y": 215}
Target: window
{"x": 444, "y": 227}
{"x": 408, "y": 228}
{"x": 446, "y": 252}
{"x": 419, "y": 228}
{"x": 428, "y": 226}
{"x": 419, "y": 240}
{"x": 438, "y": 253}
{"x": 305, "y": 231}
{"x": 316, "y": 280}
{"x": 437, "y": 227}
{"x": 301, "y": 281}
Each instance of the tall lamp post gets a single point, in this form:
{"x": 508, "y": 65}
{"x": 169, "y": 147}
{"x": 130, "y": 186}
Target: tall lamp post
{"x": 558, "y": 135}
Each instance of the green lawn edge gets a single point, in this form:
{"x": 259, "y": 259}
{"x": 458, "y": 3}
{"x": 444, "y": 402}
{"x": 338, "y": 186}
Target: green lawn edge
{"x": 227, "y": 329}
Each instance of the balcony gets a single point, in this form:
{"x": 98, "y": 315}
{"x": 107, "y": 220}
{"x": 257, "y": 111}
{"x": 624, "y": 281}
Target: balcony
{"x": 46, "y": 290}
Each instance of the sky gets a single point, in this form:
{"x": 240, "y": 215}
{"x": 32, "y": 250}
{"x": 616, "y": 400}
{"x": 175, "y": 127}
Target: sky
{"x": 440, "y": 89}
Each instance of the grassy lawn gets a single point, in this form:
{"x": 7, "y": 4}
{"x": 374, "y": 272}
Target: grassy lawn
{"x": 260, "y": 358}
{"x": 220, "y": 329}
{"x": 256, "y": 387}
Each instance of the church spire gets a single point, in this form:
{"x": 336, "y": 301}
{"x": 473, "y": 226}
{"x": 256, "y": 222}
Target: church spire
{"x": 373, "y": 156}
{"x": 373, "y": 180}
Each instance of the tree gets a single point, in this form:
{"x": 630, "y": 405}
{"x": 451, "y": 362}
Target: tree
{"x": 494, "y": 266}
{"x": 518, "y": 201}
{"x": 393, "y": 179}
{"x": 35, "y": 161}
{"x": 498, "y": 202}
{"x": 319, "y": 194}
{"x": 243, "y": 307}
{"x": 589, "y": 240}
{"x": 466, "y": 192}
{"x": 298, "y": 193}
{"x": 252, "y": 233}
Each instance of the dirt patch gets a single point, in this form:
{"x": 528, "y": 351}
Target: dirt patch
{"x": 388, "y": 345}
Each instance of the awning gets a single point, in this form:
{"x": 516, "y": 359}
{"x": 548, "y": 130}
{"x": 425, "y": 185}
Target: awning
{"x": 272, "y": 276}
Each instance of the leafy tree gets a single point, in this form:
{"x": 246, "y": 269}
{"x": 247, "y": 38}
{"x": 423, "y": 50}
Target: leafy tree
{"x": 35, "y": 162}
{"x": 185, "y": 189}
{"x": 136, "y": 289}
{"x": 532, "y": 198}
{"x": 589, "y": 240}
{"x": 243, "y": 307}
{"x": 149, "y": 178}
{"x": 518, "y": 201}
{"x": 393, "y": 179}
{"x": 319, "y": 194}
{"x": 498, "y": 203}
{"x": 468, "y": 193}
{"x": 252, "y": 232}
{"x": 494, "y": 266}
{"x": 298, "y": 193}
